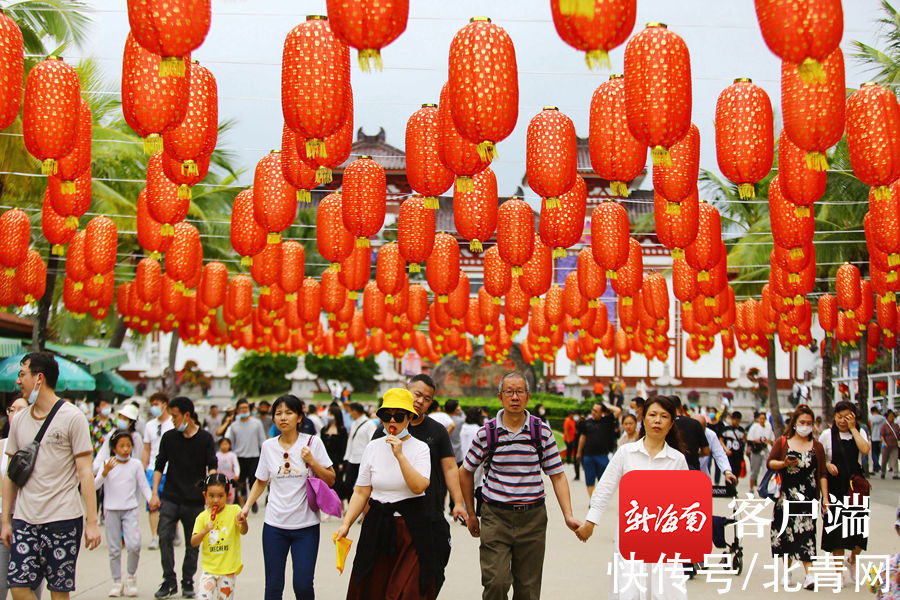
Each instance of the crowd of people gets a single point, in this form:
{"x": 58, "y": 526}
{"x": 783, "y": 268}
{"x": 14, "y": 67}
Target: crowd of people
{"x": 394, "y": 472}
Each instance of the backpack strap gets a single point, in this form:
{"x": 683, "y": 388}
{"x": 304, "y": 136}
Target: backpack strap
{"x": 536, "y": 426}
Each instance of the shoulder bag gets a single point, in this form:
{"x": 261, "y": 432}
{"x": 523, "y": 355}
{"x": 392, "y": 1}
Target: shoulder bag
{"x": 319, "y": 496}
{"x": 21, "y": 464}
{"x": 770, "y": 486}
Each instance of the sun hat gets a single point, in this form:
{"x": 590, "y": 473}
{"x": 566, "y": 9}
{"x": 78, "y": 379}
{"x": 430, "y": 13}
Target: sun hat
{"x": 129, "y": 411}
{"x": 397, "y": 398}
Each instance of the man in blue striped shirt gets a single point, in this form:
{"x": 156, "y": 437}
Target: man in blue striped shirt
{"x": 513, "y": 526}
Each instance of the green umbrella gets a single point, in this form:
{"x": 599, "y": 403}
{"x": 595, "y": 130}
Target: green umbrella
{"x": 112, "y": 381}
{"x": 72, "y": 377}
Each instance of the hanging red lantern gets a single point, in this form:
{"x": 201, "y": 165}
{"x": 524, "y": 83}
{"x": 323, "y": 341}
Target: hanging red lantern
{"x": 630, "y": 275}
{"x": 172, "y": 169}
{"x": 497, "y": 274}
{"x": 415, "y": 232}
{"x": 802, "y": 33}
{"x": 297, "y": 172}
{"x": 426, "y": 173}
{"x": 148, "y": 281}
{"x": 684, "y": 282}
{"x": 677, "y": 179}
{"x": 591, "y": 277}
{"x": 50, "y": 114}
{"x": 31, "y": 276}
{"x": 788, "y": 229}
{"x": 76, "y": 267}
{"x": 310, "y": 300}
{"x": 515, "y": 233}
{"x": 171, "y": 29}
{"x": 610, "y": 236}
{"x": 248, "y": 238}
{"x": 744, "y": 135}
{"x": 814, "y": 112}
{"x": 706, "y": 249}
{"x": 239, "y": 297}
{"x": 74, "y": 298}
{"x": 390, "y": 270}
{"x": 167, "y": 203}
{"x": 151, "y": 102}
{"x": 615, "y": 155}
{"x": 368, "y": 26}
{"x": 101, "y": 238}
{"x": 475, "y": 211}
{"x": 794, "y": 264}
{"x": 799, "y": 183}
{"x": 334, "y": 149}
{"x": 847, "y": 283}
{"x": 563, "y": 226}
{"x": 293, "y": 268}
{"x": 315, "y": 77}
{"x": 55, "y": 228}
{"x": 456, "y": 153}
{"x": 374, "y": 311}
{"x": 551, "y": 155}
{"x": 458, "y": 299}
{"x": 213, "y": 285}
{"x": 333, "y": 240}
{"x": 195, "y": 136}
{"x": 12, "y": 70}
{"x": 882, "y": 224}
{"x": 77, "y": 162}
{"x": 658, "y": 89}
{"x": 364, "y": 199}
{"x": 574, "y": 303}
{"x": 595, "y": 29}
{"x": 334, "y": 294}
{"x": 274, "y": 198}
{"x": 265, "y": 268}
{"x": 76, "y": 202}
{"x": 356, "y": 269}
{"x": 484, "y": 84}
{"x": 442, "y": 266}
{"x": 185, "y": 255}
{"x": 537, "y": 272}
{"x": 677, "y": 230}
{"x": 873, "y": 137}
{"x": 417, "y": 303}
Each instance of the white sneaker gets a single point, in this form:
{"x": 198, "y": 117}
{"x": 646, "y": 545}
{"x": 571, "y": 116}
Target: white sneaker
{"x": 116, "y": 590}
{"x": 130, "y": 587}
{"x": 851, "y": 572}
{"x": 154, "y": 543}
{"x": 809, "y": 583}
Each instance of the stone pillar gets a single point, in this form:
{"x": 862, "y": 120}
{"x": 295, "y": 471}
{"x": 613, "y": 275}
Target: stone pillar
{"x": 573, "y": 383}
{"x": 154, "y": 375}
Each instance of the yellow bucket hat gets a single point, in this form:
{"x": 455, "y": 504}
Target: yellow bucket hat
{"x": 397, "y": 398}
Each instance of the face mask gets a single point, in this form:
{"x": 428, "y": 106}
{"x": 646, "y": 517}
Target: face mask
{"x": 402, "y": 434}
{"x": 120, "y": 459}
{"x": 122, "y": 424}
{"x": 576, "y": 418}
{"x": 156, "y": 410}
{"x": 255, "y": 413}
{"x": 542, "y": 412}
{"x": 106, "y": 411}
{"x": 804, "y": 430}
{"x": 183, "y": 426}
{"x": 244, "y": 416}
{"x": 32, "y": 397}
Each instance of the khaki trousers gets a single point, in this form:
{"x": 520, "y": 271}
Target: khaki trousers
{"x": 512, "y": 552}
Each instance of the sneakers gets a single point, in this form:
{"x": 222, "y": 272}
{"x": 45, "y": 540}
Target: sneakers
{"x": 154, "y": 543}
{"x": 166, "y": 590}
{"x": 809, "y": 583}
{"x": 116, "y": 590}
{"x": 130, "y": 587}
{"x": 187, "y": 590}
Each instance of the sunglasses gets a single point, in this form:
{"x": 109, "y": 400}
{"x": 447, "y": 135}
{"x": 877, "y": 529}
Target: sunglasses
{"x": 395, "y": 417}
{"x": 287, "y": 462}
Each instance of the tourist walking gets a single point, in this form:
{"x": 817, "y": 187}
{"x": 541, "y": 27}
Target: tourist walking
{"x": 335, "y": 438}
{"x": 630, "y": 431}
{"x": 43, "y": 533}
{"x": 126, "y": 420}
{"x": 213, "y": 421}
{"x": 691, "y": 434}
{"x": 474, "y": 421}
{"x": 890, "y": 432}
{"x": 660, "y": 449}
{"x": 153, "y": 432}
{"x": 290, "y": 525}
{"x": 247, "y": 436}
{"x": 800, "y": 459}
{"x": 189, "y": 454}
{"x": 218, "y": 532}
{"x": 362, "y": 428}
{"x": 393, "y": 477}
{"x": 733, "y": 439}
{"x": 514, "y": 448}
{"x": 597, "y": 439}
{"x": 123, "y": 480}
{"x": 759, "y": 438}
{"x": 876, "y": 420}
{"x": 228, "y": 465}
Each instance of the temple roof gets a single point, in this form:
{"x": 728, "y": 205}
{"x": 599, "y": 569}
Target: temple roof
{"x": 389, "y": 157}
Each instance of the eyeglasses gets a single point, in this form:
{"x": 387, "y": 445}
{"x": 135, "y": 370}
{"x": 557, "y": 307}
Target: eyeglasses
{"x": 511, "y": 393}
{"x": 395, "y": 417}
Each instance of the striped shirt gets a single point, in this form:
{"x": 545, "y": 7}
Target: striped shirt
{"x": 514, "y": 475}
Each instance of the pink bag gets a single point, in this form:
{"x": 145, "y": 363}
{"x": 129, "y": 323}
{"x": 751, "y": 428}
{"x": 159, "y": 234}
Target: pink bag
{"x": 319, "y": 495}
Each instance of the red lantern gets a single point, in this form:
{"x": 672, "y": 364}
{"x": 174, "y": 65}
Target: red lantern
{"x": 151, "y": 102}
{"x": 74, "y": 298}
{"x": 248, "y": 238}
{"x": 882, "y": 224}
{"x": 630, "y": 275}
{"x": 31, "y": 276}
{"x": 297, "y": 172}
{"x": 658, "y": 89}
{"x": 374, "y": 311}
{"x": 684, "y": 281}
{"x": 315, "y": 77}
{"x": 101, "y": 237}
{"x": 457, "y": 154}
{"x": 744, "y": 135}
{"x": 165, "y": 200}
{"x": 574, "y": 303}
{"x": 497, "y": 274}
{"x": 51, "y": 111}
{"x": 364, "y": 199}
{"x": 213, "y": 285}
{"x": 610, "y": 236}
{"x": 334, "y": 149}
{"x": 77, "y": 162}
{"x": 74, "y": 204}
{"x": 563, "y": 226}
{"x": 417, "y": 304}
{"x": 615, "y": 155}
{"x": 12, "y": 70}
{"x": 76, "y": 267}
{"x": 55, "y": 228}
{"x": 484, "y": 84}
{"x": 195, "y": 137}
{"x": 390, "y": 270}
{"x": 706, "y": 249}
{"x": 676, "y": 230}
{"x": 368, "y": 26}
{"x": 537, "y": 273}
{"x": 170, "y": 28}
{"x": 803, "y": 33}
{"x": 551, "y": 156}
{"x": 274, "y": 199}
{"x": 266, "y": 268}
{"x": 334, "y": 294}
{"x": 788, "y": 229}
{"x": 814, "y": 112}
{"x": 333, "y": 240}
{"x": 442, "y": 267}
{"x": 847, "y": 282}
{"x": 676, "y": 180}
{"x": 515, "y": 233}
{"x": 426, "y": 173}
{"x": 873, "y": 137}
{"x": 415, "y": 232}
{"x": 591, "y": 277}
{"x": 293, "y": 268}
{"x": 356, "y": 269}
{"x": 310, "y": 300}
{"x": 475, "y": 211}
{"x": 185, "y": 255}
{"x": 596, "y": 29}
{"x": 458, "y": 299}
{"x": 148, "y": 281}
{"x": 799, "y": 183}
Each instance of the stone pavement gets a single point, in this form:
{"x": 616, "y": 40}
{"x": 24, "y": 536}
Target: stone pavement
{"x": 572, "y": 570}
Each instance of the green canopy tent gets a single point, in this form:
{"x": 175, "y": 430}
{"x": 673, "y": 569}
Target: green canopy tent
{"x": 110, "y": 381}
{"x": 94, "y": 358}
{"x": 10, "y": 346}
{"x": 72, "y": 377}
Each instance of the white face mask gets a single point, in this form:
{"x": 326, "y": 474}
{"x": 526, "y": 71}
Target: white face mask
{"x": 33, "y": 396}
{"x": 804, "y": 430}
{"x": 402, "y": 434}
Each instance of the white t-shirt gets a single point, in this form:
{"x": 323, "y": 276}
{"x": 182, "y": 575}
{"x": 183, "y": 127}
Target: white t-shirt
{"x": 287, "y": 507}
{"x": 442, "y": 418}
{"x": 380, "y": 469}
{"x": 825, "y": 439}
{"x": 153, "y": 433}
{"x": 122, "y": 485}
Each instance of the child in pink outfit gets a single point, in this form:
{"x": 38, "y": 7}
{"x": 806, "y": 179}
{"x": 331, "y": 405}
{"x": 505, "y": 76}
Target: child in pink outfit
{"x": 228, "y": 465}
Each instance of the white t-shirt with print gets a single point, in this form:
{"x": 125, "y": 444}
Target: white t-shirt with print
{"x": 287, "y": 507}
{"x": 379, "y": 468}
{"x": 153, "y": 433}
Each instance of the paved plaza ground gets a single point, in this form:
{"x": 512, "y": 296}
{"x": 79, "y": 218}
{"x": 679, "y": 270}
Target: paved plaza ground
{"x": 572, "y": 570}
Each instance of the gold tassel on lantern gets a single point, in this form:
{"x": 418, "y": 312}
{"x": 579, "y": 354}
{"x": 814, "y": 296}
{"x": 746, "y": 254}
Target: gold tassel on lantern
{"x": 303, "y": 196}
{"x": 68, "y": 187}
{"x": 172, "y": 66}
{"x": 415, "y": 268}
{"x": 189, "y": 168}
{"x": 246, "y": 261}
{"x": 816, "y": 161}
{"x": 433, "y": 203}
{"x": 48, "y": 166}
{"x": 551, "y": 202}
{"x": 184, "y": 192}
{"x": 463, "y": 184}
{"x": 362, "y": 242}
{"x": 746, "y": 191}
{"x": 597, "y": 59}
{"x": 315, "y": 147}
{"x": 559, "y": 252}
{"x": 581, "y": 8}
{"x": 323, "y": 175}
{"x": 882, "y": 192}
{"x": 796, "y": 253}
{"x": 677, "y": 253}
{"x": 273, "y": 238}
{"x": 367, "y": 55}
{"x": 673, "y": 208}
{"x": 811, "y": 71}
{"x": 801, "y": 212}
{"x": 476, "y": 246}
{"x": 335, "y": 267}
{"x": 487, "y": 151}
{"x": 153, "y": 143}
{"x": 661, "y": 157}
{"x": 443, "y": 299}
{"x": 71, "y": 222}
{"x": 619, "y": 188}
{"x": 58, "y": 250}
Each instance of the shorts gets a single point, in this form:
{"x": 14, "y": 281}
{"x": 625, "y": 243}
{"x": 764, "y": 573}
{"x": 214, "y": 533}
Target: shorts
{"x": 594, "y": 465}
{"x": 48, "y": 551}
{"x": 162, "y": 482}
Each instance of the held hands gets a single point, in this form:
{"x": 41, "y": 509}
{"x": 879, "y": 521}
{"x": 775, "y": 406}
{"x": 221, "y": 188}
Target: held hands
{"x": 154, "y": 502}
{"x": 396, "y": 444}
{"x": 109, "y": 465}
{"x": 573, "y": 523}
{"x": 585, "y": 531}
{"x": 241, "y": 517}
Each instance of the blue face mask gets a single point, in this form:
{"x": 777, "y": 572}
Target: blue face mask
{"x": 156, "y": 410}
{"x": 106, "y": 411}
{"x": 33, "y": 396}
{"x": 183, "y": 426}
{"x": 122, "y": 424}
{"x": 402, "y": 434}
{"x": 244, "y": 416}
{"x": 120, "y": 459}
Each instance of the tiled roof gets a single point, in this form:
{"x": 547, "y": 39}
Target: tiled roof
{"x": 392, "y": 159}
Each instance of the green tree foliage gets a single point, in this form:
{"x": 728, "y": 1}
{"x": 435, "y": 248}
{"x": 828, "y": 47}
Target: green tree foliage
{"x": 360, "y": 373}
{"x": 257, "y": 373}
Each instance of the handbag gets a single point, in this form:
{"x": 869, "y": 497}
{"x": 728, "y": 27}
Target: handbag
{"x": 319, "y": 495}
{"x": 858, "y": 482}
{"x": 770, "y": 486}
{"x": 21, "y": 464}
